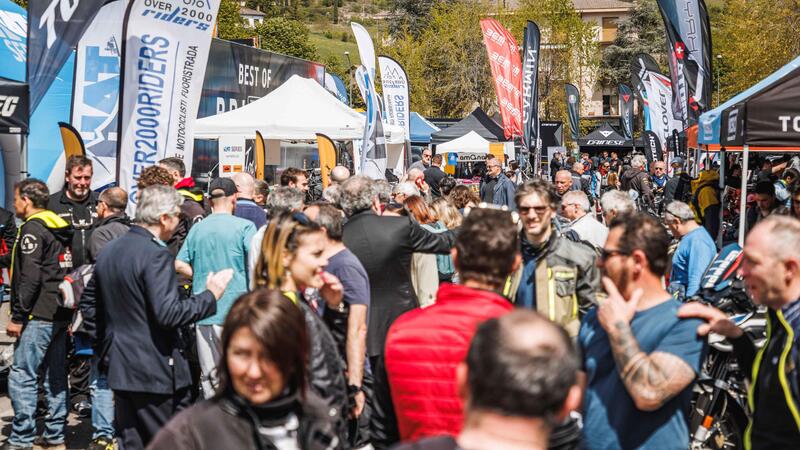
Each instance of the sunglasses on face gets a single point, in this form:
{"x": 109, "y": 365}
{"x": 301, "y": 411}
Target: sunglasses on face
{"x": 539, "y": 210}
{"x": 605, "y": 255}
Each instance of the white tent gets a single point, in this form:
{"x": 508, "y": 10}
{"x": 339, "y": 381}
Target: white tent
{"x": 295, "y": 111}
{"x": 471, "y": 142}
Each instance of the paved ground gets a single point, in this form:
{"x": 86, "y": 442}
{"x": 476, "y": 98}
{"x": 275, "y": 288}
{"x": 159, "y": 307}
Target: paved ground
{"x": 79, "y": 431}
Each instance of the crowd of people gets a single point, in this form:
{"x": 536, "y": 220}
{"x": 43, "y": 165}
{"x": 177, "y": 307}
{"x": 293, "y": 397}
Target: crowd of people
{"x": 420, "y": 315}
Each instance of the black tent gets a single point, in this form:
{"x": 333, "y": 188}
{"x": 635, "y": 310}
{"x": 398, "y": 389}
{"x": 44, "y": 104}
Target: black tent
{"x": 13, "y": 107}
{"x": 604, "y": 137}
{"x": 478, "y": 121}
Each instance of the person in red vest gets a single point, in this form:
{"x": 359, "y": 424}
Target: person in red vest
{"x": 424, "y": 346}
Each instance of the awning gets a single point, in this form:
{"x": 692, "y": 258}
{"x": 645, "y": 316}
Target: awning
{"x": 478, "y": 121}
{"x": 421, "y": 129}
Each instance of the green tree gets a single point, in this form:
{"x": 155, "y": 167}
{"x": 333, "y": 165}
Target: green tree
{"x": 755, "y": 38}
{"x": 23, "y": 3}
{"x": 641, "y": 32}
{"x": 287, "y": 36}
{"x": 230, "y": 23}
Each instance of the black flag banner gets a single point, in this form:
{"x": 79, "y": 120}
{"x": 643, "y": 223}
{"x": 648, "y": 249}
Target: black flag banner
{"x": 530, "y": 88}
{"x": 689, "y": 50}
{"x": 653, "y": 148}
{"x": 626, "y": 97}
{"x": 54, "y": 29}
{"x": 13, "y": 107}
{"x": 574, "y": 111}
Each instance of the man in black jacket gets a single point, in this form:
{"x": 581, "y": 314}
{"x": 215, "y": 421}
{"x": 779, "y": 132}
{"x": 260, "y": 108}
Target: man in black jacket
{"x": 77, "y": 204}
{"x": 41, "y": 259}
{"x": 133, "y": 309}
{"x": 434, "y": 174}
{"x": 113, "y": 220}
{"x": 384, "y": 245}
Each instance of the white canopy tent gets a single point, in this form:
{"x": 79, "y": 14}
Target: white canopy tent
{"x": 471, "y": 142}
{"x": 295, "y": 111}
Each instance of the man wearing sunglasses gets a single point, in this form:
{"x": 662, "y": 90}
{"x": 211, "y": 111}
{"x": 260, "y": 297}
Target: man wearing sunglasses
{"x": 640, "y": 359}
{"x": 558, "y": 277}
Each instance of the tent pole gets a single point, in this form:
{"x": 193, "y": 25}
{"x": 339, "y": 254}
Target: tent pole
{"x": 23, "y": 157}
{"x": 722, "y": 170}
{"x": 743, "y": 198}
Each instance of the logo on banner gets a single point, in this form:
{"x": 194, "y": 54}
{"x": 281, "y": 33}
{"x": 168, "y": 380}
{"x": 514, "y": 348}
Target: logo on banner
{"x": 680, "y": 50}
{"x": 606, "y": 133}
{"x": 626, "y": 97}
{"x": 604, "y": 142}
{"x": 13, "y": 33}
{"x": 573, "y": 99}
{"x": 100, "y": 87}
{"x": 785, "y": 121}
{"x": 8, "y": 104}
{"x": 732, "y": 125}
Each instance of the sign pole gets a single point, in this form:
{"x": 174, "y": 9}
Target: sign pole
{"x": 743, "y": 198}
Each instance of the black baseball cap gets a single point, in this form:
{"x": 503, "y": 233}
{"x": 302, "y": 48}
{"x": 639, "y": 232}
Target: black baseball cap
{"x": 221, "y": 187}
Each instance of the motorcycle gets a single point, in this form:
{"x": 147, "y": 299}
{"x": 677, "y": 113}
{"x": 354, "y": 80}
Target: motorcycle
{"x": 720, "y": 413}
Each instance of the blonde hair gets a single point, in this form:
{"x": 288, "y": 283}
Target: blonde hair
{"x": 447, "y": 213}
{"x": 282, "y": 235}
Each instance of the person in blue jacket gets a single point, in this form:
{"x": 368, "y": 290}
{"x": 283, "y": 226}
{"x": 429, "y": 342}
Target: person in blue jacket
{"x": 694, "y": 254}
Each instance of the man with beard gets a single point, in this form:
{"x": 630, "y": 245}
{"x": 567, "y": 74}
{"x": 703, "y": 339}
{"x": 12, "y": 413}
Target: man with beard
{"x": 639, "y": 356}
{"x": 77, "y": 204}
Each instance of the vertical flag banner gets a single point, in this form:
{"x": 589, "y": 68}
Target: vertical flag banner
{"x": 73, "y": 144}
{"x": 689, "y": 42}
{"x": 373, "y": 150}
{"x": 653, "y": 147}
{"x": 655, "y": 90}
{"x": 373, "y": 146}
{"x": 335, "y": 86}
{"x": 259, "y": 158}
{"x": 626, "y": 95}
{"x": 327, "y": 158}
{"x": 13, "y": 37}
{"x": 574, "y": 111}
{"x": 54, "y": 28}
{"x": 95, "y": 99}
{"x": 366, "y": 50}
{"x": 396, "y": 99}
{"x": 530, "y": 88}
{"x": 163, "y": 65}
{"x": 506, "y": 68}
{"x": 641, "y": 64}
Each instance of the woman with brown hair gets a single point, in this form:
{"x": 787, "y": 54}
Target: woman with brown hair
{"x": 424, "y": 270}
{"x": 462, "y": 196}
{"x": 291, "y": 260}
{"x": 263, "y": 400}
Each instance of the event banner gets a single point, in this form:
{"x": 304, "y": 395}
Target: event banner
{"x": 396, "y": 99}
{"x": 373, "y": 150}
{"x": 689, "y": 42}
{"x": 626, "y": 97}
{"x": 13, "y": 36}
{"x": 13, "y": 107}
{"x": 574, "y": 111}
{"x": 327, "y": 158}
{"x": 163, "y": 64}
{"x": 530, "y": 86}
{"x": 640, "y": 64}
{"x": 54, "y": 28}
{"x": 653, "y": 149}
{"x": 241, "y": 74}
{"x": 506, "y": 66}
{"x": 95, "y": 99}
{"x": 231, "y": 155}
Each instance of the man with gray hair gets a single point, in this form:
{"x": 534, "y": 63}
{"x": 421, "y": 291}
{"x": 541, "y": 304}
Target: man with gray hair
{"x": 576, "y": 208}
{"x": 141, "y": 313}
{"x": 615, "y": 203}
{"x": 339, "y": 174}
{"x": 694, "y": 253}
{"x": 637, "y": 183}
{"x": 284, "y": 199}
{"x": 384, "y": 245}
{"x": 404, "y": 190}
{"x": 113, "y": 220}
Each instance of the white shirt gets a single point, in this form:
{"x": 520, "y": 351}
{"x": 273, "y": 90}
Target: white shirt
{"x": 590, "y": 230}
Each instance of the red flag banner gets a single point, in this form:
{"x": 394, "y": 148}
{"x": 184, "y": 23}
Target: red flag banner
{"x": 506, "y": 67}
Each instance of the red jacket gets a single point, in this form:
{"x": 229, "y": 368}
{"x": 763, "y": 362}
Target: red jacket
{"x": 423, "y": 349}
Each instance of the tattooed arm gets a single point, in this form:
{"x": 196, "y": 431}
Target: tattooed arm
{"x": 651, "y": 379}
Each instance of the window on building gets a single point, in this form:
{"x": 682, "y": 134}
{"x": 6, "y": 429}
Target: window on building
{"x": 611, "y": 105}
{"x": 609, "y": 32}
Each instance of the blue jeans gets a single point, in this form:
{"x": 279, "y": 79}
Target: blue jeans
{"x": 42, "y": 345}
{"x": 102, "y": 404}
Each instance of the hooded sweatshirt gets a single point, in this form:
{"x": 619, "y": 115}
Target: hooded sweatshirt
{"x": 40, "y": 260}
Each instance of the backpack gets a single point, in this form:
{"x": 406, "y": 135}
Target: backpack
{"x": 71, "y": 291}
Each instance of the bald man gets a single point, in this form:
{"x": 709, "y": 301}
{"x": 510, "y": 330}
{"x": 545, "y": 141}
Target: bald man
{"x": 563, "y": 182}
{"x": 339, "y": 174}
{"x": 113, "y": 221}
{"x": 246, "y": 208}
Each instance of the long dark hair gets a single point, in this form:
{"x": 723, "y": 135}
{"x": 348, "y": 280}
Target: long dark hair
{"x": 279, "y": 326}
